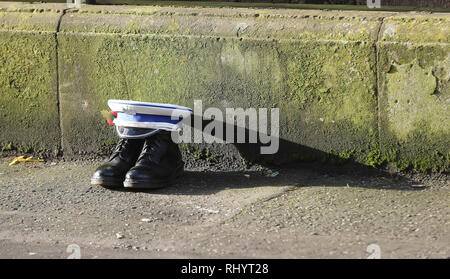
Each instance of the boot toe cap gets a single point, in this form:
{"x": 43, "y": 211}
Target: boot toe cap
{"x": 138, "y": 175}
{"x": 107, "y": 176}
{"x": 104, "y": 172}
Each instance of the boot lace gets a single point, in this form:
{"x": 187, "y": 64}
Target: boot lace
{"x": 150, "y": 147}
{"x": 119, "y": 148}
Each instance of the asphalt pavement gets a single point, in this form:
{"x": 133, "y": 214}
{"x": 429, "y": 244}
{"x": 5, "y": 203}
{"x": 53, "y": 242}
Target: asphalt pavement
{"x": 50, "y": 210}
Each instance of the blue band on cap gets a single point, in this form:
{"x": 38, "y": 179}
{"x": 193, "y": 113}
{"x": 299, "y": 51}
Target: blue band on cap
{"x": 146, "y": 118}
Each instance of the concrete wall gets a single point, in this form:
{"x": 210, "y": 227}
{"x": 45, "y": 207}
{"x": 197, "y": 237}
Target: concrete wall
{"x": 369, "y": 86}
{"x": 414, "y": 99}
{"x": 28, "y": 81}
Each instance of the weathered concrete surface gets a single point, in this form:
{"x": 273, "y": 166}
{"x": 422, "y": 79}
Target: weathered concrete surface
{"x": 301, "y": 213}
{"x": 414, "y": 99}
{"x": 317, "y": 68}
{"x": 340, "y": 78}
{"x": 28, "y": 81}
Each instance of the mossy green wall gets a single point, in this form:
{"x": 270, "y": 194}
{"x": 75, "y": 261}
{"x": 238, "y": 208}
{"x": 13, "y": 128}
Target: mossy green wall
{"x": 325, "y": 88}
{"x": 360, "y": 85}
{"x": 28, "y": 82}
{"x": 414, "y": 69}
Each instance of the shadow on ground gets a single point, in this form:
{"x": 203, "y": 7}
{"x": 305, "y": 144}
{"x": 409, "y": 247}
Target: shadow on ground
{"x": 274, "y": 171}
{"x": 294, "y": 175}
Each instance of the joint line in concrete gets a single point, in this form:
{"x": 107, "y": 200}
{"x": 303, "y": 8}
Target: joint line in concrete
{"x": 58, "y": 93}
{"x": 377, "y": 86}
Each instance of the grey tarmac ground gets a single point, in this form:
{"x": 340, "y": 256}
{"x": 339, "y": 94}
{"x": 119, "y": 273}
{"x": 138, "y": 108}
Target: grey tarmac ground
{"x": 309, "y": 211}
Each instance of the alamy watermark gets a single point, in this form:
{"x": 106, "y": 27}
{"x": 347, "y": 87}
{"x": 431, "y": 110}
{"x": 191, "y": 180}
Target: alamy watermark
{"x": 253, "y": 120}
{"x": 374, "y": 250}
{"x": 75, "y": 251}
{"x": 372, "y": 4}
{"x": 73, "y": 4}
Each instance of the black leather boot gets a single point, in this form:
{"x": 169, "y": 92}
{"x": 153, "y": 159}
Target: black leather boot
{"x": 112, "y": 173}
{"x": 159, "y": 164}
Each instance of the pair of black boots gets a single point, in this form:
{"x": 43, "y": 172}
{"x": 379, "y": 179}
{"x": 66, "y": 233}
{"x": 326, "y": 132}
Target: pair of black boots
{"x": 149, "y": 163}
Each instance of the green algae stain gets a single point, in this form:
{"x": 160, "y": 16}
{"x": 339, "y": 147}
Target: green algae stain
{"x": 412, "y": 99}
{"x": 375, "y": 158}
{"x": 28, "y": 109}
{"x": 335, "y": 80}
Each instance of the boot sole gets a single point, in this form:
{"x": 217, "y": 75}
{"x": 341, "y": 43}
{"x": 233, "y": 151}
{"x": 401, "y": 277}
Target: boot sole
{"x": 154, "y": 184}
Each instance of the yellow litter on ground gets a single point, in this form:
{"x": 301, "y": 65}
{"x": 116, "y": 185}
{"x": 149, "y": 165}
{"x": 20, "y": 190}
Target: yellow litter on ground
{"x": 23, "y": 159}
